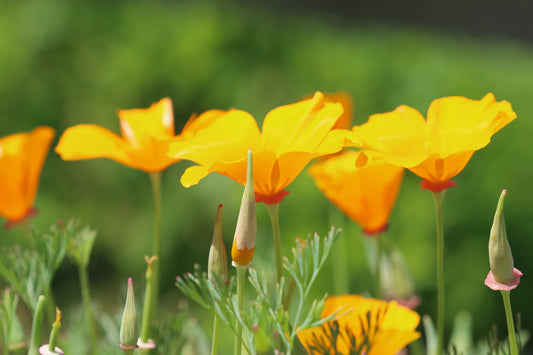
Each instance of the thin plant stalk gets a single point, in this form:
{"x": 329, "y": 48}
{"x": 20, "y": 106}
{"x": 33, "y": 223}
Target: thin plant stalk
{"x": 37, "y": 326}
{"x": 377, "y": 266}
{"x": 340, "y": 262}
{"x": 214, "y": 344}
{"x": 147, "y": 315}
{"x": 341, "y": 283}
{"x": 438, "y": 197}
{"x": 273, "y": 212}
{"x": 152, "y": 291}
{"x": 506, "y": 295}
{"x": 86, "y": 298}
{"x": 241, "y": 272}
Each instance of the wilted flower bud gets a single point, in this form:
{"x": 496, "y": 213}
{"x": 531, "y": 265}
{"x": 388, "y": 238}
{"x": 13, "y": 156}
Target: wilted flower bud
{"x": 129, "y": 329}
{"x": 218, "y": 259}
{"x": 500, "y": 256}
{"x": 242, "y": 251}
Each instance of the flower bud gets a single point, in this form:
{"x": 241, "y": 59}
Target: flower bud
{"x": 129, "y": 329}
{"x": 500, "y": 256}
{"x": 217, "y": 266}
{"x": 242, "y": 251}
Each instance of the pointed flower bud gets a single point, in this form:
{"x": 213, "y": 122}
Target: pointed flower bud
{"x": 242, "y": 251}
{"x": 129, "y": 329}
{"x": 218, "y": 259}
{"x": 503, "y": 274}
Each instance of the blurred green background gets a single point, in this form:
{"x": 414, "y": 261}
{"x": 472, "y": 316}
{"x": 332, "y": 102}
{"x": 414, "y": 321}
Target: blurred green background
{"x": 64, "y": 63}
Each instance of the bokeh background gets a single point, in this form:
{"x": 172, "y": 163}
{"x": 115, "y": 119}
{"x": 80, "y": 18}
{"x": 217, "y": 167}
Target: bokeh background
{"x": 64, "y": 63}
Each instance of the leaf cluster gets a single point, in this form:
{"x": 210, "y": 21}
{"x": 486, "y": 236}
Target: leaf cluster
{"x": 268, "y": 321}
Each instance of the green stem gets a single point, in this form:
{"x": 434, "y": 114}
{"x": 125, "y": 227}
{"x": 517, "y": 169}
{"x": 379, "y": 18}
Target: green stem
{"x": 506, "y": 295}
{"x": 86, "y": 298}
{"x": 341, "y": 283}
{"x": 54, "y": 334}
{"x": 241, "y": 272}
{"x": 37, "y": 327}
{"x": 438, "y": 197}
{"x": 152, "y": 288}
{"x": 214, "y": 345}
{"x": 147, "y": 315}
{"x": 377, "y": 266}
{"x": 273, "y": 212}
{"x": 129, "y": 351}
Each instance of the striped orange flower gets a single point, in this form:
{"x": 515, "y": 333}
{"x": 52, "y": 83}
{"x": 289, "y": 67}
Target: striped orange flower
{"x": 363, "y": 326}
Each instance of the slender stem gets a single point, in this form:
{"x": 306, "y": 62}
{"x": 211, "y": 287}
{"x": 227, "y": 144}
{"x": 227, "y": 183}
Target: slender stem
{"x": 86, "y": 298}
{"x": 214, "y": 345}
{"x": 506, "y": 295}
{"x": 37, "y": 327}
{"x": 129, "y": 351}
{"x": 147, "y": 315}
{"x": 152, "y": 287}
{"x": 273, "y": 212}
{"x": 241, "y": 272}
{"x": 341, "y": 283}
{"x": 438, "y": 197}
{"x": 50, "y": 303}
{"x": 377, "y": 266}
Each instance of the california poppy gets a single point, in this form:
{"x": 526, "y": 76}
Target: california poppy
{"x": 143, "y": 145}
{"x": 365, "y": 194}
{"x": 22, "y": 156}
{"x": 439, "y": 148}
{"x": 292, "y": 135}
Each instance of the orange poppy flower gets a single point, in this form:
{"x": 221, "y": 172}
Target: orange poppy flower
{"x": 143, "y": 145}
{"x": 292, "y": 135}
{"x": 439, "y": 148}
{"x": 363, "y": 326}
{"x": 22, "y": 157}
{"x": 365, "y": 194}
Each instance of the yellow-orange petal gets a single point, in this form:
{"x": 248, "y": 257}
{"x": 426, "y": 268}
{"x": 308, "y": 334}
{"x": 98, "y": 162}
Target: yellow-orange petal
{"x": 226, "y": 138}
{"x": 139, "y": 126}
{"x": 87, "y": 141}
{"x": 193, "y": 175}
{"x": 438, "y": 170}
{"x": 301, "y": 126}
{"x": 399, "y": 136}
{"x": 22, "y": 156}
{"x": 457, "y": 124}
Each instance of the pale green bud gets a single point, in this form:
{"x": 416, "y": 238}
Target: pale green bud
{"x": 129, "y": 328}
{"x": 217, "y": 266}
{"x": 500, "y": 256}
